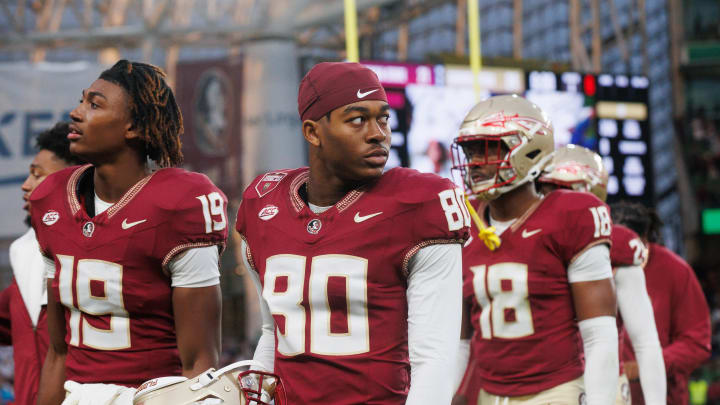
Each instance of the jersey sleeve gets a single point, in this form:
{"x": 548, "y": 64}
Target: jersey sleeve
{"x": 440, "y": 216}
{"x": 42, "y": 212}
{"x": 586, "y": 222}
{"x": 198, "y": 218}
{"x": 627, "y": 248}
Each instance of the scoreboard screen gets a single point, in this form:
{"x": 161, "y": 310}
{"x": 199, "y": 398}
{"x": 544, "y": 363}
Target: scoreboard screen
{"x": 605, "y": 113}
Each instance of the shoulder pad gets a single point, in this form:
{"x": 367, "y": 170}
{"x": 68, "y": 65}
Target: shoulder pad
{"x": 411, "y": 186}
{"x": 53, "y": 183}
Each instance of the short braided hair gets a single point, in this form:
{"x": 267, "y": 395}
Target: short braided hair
{"x": 56, "y": 141}
{"x": 153, "y": 110}
{"x": 641, "y": 219}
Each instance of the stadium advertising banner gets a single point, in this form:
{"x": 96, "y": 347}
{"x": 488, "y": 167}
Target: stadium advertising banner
{"x": 209, "y": 94}
{"x": 34, "y": 98}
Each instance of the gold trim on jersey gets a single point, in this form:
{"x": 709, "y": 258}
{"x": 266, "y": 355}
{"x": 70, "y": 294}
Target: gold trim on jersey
{"x": 126, "y": 198}
{"x": 299, "y": 204}
{"x": 421, "y": 245}
{"x": 179, "y": 248}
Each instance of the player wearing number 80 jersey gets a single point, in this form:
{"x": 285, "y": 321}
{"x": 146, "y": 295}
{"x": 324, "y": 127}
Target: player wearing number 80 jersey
{"x": 359, "y": 271}
{"x": 548, "y": 278}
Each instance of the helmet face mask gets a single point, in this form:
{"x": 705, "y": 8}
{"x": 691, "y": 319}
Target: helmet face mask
{"x": 504, "y": 142}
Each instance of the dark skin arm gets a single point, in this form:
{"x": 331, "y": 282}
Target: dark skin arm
{"x": 52, "y": 376}
{"x": 594, "y": 298}
{"x": 197, "y": 324}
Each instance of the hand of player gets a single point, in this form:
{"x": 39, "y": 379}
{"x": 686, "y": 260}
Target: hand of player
{"x": 631, "y": 370}
{"x": 97, "y": 394}
{"x": 459, "y": 399}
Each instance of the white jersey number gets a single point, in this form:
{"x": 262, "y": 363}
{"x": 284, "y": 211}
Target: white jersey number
{"x": 107, "y": 278}
{"x": 603, "y": 224}
{"x": 213, "y": 211}
{"x": 502, "y": 292}
{"x": 283, "y": 288}
{"x": 639, "y": 250}
{"x": 456, "y": 213}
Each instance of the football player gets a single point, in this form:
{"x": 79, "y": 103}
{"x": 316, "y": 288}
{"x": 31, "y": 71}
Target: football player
{"x": 539, "y": 274}
{"x": 578, "y": 168}
{"x": 132, "y": 253}
{"x": 22, "y": 304}
{"x": 681, "y": 310}
{"x": 359, "y": 271}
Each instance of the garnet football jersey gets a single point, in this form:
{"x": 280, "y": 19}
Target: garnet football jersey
{"x": 110, "y": 272}
{"x": 526, "y": 337}
{"x": 335, "y": 282}
{"x": 627, "y": 250}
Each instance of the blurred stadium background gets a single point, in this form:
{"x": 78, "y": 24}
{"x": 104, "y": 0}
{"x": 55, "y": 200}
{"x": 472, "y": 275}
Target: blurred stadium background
{"x": 636, "y": 80}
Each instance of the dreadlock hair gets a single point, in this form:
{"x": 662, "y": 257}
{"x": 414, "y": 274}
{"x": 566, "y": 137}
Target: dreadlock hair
{"x": 55, "y": 140}
{"x": 641, "y": 219}
{"x": 154, "y": 113}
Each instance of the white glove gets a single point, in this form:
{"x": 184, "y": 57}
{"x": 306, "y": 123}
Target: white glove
{"x": 97, "y": 394}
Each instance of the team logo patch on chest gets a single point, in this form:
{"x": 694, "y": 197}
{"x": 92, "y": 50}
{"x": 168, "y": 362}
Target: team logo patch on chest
{"x": 88, "y": 229}
{"x": 269, "y": 182}
{"x": 268, "y": 212}
{"x": 314, "y": 226}
{"x": 50, "y": 217}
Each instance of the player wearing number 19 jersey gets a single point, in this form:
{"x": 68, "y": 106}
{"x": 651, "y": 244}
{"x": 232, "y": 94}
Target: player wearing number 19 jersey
{"x": 358, "y": 270}
{"x": 133, "y": 290}
{"x": 111, "y": 269}
{"x": 542, "y": 277}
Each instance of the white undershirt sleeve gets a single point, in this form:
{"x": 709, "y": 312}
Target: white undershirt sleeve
{"x": 49, "y": 267}
{"x": 600, "y": 343}
{"x": 637, "y": 312}
{"x": 194, "y": 268}
{"x": 599, "y": 334}
{"x": 434, "y": 297}
{"x": 265, "y": 349}
{"x": 591, "y": 265}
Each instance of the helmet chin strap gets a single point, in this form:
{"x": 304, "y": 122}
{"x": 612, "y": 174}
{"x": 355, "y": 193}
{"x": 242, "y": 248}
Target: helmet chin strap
{"x": 209, "y": 376}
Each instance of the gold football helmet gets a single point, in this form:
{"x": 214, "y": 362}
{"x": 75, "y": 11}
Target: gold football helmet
{"x": 504, "y": 142}
{"x": 577, "y": 168}
{"x": 227, "y": 386}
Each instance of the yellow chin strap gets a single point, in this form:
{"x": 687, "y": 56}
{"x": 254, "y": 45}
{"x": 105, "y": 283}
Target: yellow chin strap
{"x": 487, "y": 233}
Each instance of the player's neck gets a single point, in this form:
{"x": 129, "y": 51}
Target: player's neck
{"x": 113, "y": 180}
{"x": 324, "y": 189}
{"x": 515, "y": 203}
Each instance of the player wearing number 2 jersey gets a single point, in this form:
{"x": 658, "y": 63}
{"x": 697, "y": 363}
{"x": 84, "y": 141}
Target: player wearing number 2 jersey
{"x": 544, "y": 274}
{"x": 578, "y": 168}
{"x": 133, "y": 254}
{"x": 359, "y": 271}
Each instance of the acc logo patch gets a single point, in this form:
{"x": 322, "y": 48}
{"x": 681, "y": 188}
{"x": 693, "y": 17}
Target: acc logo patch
{"x": 50, "y": 217}
{"x": 268, "y": 212}
{"x": 269, "y": 182}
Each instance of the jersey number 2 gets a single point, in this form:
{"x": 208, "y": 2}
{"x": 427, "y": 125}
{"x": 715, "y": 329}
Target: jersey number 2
{"x": 107, "y": 278}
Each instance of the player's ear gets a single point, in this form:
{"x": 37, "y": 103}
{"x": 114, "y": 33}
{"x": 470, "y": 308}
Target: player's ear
{"x": 311, "y": 132}
{"x": 131, "y": 131}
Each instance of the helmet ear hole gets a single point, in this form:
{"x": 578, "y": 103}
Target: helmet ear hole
{"x": 531, "y": 155}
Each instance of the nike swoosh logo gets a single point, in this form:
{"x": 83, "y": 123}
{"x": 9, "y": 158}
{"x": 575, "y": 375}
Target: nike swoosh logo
{"x": 362, "y": 95}
{"x": 359, "y": 218}
{"x": 526, "y": 234}
{"x": 128, "y": 225}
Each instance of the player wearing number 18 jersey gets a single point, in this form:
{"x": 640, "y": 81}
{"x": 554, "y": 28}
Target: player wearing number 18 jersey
{"x": 547, "y": 277}
{"x": 359, "y": 272}
{"x": 133, "y": 253}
